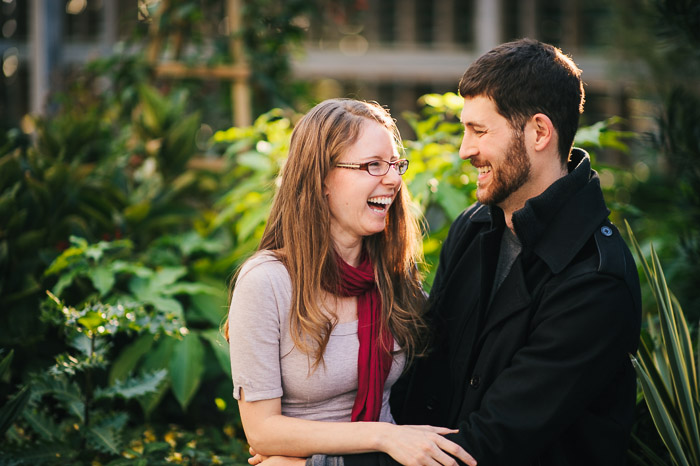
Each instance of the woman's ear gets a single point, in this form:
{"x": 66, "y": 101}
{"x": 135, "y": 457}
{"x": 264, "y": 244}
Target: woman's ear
{"x": 544, "y": 133}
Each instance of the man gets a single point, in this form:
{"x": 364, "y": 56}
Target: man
{"x": 536, "y": 303}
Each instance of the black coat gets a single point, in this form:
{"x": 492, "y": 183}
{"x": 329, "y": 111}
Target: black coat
{"x": 542, "y": 375}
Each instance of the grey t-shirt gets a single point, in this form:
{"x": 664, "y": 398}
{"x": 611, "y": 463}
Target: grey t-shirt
{"x": 267, "y": 365}
{"x": 510, "y": 248}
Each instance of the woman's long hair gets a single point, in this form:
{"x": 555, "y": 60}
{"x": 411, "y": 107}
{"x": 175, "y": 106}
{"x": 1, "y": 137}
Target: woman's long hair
{"x": 298, "y": 232}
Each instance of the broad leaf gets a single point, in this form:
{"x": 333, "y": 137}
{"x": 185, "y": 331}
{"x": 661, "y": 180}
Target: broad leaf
{"x": 220, "y": 347}
{"x": 186, "y": 368}
{"x": 129, "y": 357}
{"x": 134, "y": 386}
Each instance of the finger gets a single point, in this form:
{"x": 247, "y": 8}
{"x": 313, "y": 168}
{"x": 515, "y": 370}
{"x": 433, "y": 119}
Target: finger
{"x": 455, "y": 450}
{"x": 443, "y": 458}
{"x": 251, "y": 451}
{"x": 437, "y": 430}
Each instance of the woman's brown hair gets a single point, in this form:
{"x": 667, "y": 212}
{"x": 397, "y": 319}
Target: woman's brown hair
{"x": 298, "y": 232}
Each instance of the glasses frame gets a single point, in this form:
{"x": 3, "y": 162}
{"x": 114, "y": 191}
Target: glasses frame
{"x": 365, "y": 166}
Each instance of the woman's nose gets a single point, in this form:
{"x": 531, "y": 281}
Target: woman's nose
{"x": 392, "y": 176}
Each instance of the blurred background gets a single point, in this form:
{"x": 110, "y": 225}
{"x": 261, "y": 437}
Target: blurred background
{"x": 384, "y": 50}
{"x": 140, "y": 142}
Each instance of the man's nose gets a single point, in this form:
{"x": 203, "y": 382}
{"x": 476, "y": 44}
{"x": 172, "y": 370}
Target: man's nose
{"x": 468, "y": 148}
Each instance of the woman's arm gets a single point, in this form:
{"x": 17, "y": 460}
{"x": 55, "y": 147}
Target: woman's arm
{"x": 270, "y": 433}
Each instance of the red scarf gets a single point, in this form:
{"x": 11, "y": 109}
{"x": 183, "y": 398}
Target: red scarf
{"x": 373, "y": 362}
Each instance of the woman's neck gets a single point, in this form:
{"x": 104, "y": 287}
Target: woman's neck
{"x": 349, "y": 252}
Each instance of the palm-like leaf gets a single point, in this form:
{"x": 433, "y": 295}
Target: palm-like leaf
{"x": 668, "y": 373}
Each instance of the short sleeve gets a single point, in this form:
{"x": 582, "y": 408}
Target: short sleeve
{"x": 257, "y": 303}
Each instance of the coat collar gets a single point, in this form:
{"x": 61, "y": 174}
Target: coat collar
{"x": 556, "y": 224}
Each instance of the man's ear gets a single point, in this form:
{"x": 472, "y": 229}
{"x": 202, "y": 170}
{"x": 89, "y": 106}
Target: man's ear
{"x": 544, "y": 133}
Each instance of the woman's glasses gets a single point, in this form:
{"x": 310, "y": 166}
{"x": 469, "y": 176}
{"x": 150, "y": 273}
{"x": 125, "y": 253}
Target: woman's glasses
{"x": 377, "y": 167}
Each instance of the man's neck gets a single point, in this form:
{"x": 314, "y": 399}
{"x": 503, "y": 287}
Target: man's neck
{"x": 532, "y": 188}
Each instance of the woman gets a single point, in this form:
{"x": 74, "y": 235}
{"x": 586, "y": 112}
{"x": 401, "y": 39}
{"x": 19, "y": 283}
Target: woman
{"x": 325, "y": 315}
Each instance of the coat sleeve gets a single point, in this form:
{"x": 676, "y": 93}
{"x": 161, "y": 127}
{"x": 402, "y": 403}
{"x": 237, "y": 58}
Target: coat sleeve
{"x": 579, "y": 343}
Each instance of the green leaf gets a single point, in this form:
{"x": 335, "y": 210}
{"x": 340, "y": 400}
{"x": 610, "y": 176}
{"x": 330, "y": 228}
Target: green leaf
{"x": 148, "y": 291}
{"x": 133, "y": 387}
{"x": 5, "y": 363}
{"x": 220, "y": 347}
{"x": 659, "y": 415}
{"x": 43, "y": 425}
{"x": 191, "y": 289}
{"x": 13, "y": 408}
{"x": 160, "y": 356}
{"x": 103, "y": 279}
{"x": 186, "y": 368}
{"x": 137, "y": 212}
{"x": 250, "y": 220}
{"x": 64, "y": 390}
{"x": 105, "y": 439}
{"x": 213, "y": 307}
{"x": 45, "y": 453}
{"x": 129, "y": 357}
{"x": 167, "y": 276}
{"x": 91, "y": 320}
{"x": 255, "y": 161}
{"x": 154, "y": 108}
{"x": 65, "y": 260}
{"x": 150, "y": 401}
{"x": 451, "y": 199}
{"x": 667, "y": 374}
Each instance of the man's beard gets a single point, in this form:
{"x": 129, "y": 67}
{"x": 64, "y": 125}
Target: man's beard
{"x": 510, "y": 175}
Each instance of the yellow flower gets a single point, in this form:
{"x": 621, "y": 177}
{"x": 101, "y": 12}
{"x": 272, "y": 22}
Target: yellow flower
{"x": 149, "y": 436}
{"x": 170, "y": 438}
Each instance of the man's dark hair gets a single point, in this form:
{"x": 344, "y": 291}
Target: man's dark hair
{"x": 525, "y": 77}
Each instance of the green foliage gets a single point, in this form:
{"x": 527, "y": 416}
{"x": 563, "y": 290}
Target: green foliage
{"x": 440, "y": 182}
{"x": 256, "y": 154}
{"x": 664, "y": 35}
{"x": 159, "y": 312}
{"x": 14, "y": 407}
{"x": 667, "y": 369}
{"x": 88, "y": 424}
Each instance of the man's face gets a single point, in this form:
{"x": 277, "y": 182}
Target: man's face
{"x": 495, "y": 149}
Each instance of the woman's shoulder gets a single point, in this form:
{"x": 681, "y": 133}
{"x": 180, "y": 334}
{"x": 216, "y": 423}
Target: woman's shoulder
{"x": 263, "y": 265}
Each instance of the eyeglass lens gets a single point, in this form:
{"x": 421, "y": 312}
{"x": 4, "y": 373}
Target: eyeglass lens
{"x": 381, "y": 167}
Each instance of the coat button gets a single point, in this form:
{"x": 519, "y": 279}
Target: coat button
{"x": 606, "y": 230}
{"x": 475, "y": 382}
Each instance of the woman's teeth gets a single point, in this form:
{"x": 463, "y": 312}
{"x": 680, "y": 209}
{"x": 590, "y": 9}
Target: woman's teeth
{"x": 379, "y": 203}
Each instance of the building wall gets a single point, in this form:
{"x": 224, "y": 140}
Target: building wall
{"x": 392, "y": 51}
{"x": 378, "y": 50}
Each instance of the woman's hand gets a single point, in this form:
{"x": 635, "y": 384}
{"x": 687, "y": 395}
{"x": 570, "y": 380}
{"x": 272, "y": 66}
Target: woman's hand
{"x": 423, "y": 446}
{"x": 255, "y": 458}
{"x": 277, "y": 460}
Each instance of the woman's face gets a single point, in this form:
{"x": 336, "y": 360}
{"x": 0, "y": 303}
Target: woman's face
{"x": 359, "y": 202}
